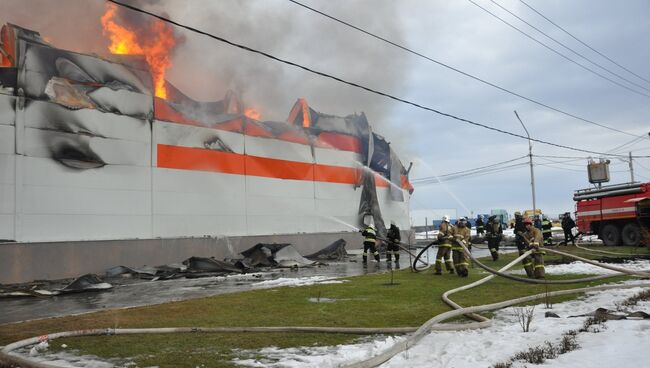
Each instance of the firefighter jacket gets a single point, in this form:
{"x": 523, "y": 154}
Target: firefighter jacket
{"x": 370, "y": 235}
{"x": 533, "y": 237}
{"x": 461, "y": 233}
{"x": 445, "y": 233}
{"x": 546, "y": 228}
{"x": 479, "y": 223}
{"x": 494, "y": 230}
{"x": 519, "y": 228}
{"x": 393, "y": 234}
{"x": 568, "y": 223}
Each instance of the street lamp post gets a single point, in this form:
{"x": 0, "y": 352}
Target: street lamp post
{"x": 530, "y": 156}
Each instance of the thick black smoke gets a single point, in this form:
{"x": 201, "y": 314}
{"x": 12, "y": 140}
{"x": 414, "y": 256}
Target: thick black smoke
{"x": 206, "y": 69}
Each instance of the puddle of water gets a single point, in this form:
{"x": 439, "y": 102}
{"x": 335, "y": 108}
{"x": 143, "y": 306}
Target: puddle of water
{"x": 322, "y": 300}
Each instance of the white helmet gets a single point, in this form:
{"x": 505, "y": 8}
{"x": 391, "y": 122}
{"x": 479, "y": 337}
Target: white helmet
{"x": 445, "y": 218}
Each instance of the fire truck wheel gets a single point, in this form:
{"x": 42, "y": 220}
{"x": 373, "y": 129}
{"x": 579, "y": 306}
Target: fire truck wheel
{"x": 631, "y": 234}
{"x": 611, "y": 235}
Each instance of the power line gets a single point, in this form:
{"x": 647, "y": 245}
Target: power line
{"x": 577, "y": 39}
{"x": 627, "y": 146}
{"x": 353, "y": 84}
{"x": 557, "y": 52}
{"x": 409, "y": 50}
{"x": 568, "y": 48}
{"x": 568, "y": 169}
{"x": 468, "y": 170}
{"x": 447, "y": 178}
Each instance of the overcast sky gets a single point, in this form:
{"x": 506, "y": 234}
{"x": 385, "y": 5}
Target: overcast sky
{"x": 457, "y": 33}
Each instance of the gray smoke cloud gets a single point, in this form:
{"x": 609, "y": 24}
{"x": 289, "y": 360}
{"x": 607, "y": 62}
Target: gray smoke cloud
{"x": 206, "y": 69}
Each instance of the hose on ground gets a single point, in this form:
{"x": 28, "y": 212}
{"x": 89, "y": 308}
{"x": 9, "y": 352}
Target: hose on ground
{"x": 414, "y": 266}
{"x": 477, "y": 317}
{"x": 413, "y": 339}
{"x": 432, "y": 324}
{"x": 537, "y": 281}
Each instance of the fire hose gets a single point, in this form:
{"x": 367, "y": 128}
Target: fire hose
{"x": 431, "y": 325}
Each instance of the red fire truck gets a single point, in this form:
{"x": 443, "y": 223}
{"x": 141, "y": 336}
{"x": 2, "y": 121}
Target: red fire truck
{"x": 618, "y": 214}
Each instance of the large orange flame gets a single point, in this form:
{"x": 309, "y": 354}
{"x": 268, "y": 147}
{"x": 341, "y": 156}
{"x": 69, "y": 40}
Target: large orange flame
{"x": 252, "y": 113}
{"x": 156, "y": 48}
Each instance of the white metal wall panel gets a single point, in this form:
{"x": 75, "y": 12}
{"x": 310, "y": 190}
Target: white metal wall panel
{"x": 62, "y": 227}
{"x": 280, "y": 224}
{"x": 45, "y": 144}
{"x": 7, "y": 112}
{"x": 47, "y": 115}
{"x": 7, "y": 196}
{"x": 278, "y": 149}
{"x": 50, "y": 200}
{"x": 7, "y": 227}
{"x": 280, "y": 206}
{"x": 197, "y": 203}
{"x": 326, "y": 156}
{"x": 184, "y": 192}
{"x": 7, "y": 140}
{"x": 58, "y": 203}
{"x": 168, "y": 226}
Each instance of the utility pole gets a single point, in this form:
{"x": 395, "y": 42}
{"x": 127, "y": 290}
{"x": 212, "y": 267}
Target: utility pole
{"x": 530, "y": 156}
{"x": 631, "y": 169}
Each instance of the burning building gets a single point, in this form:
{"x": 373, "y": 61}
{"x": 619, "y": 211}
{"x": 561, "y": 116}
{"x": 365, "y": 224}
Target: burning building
{"x": 104, "y": 162}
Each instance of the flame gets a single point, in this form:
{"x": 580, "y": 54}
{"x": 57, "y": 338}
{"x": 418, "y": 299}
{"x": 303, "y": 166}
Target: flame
{"x": 252, "y": 113}
{"x": 156, "y": 48}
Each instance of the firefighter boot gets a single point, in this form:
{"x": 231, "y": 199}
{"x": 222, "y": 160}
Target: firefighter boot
{"x": 539, "y": 272}
{"x": 377, "y": 258}
{"x": 495, "y": 254}
{"x": 365, "y": 260}
{"x": 529, "y": 270}
{"x": 389, "y": 257}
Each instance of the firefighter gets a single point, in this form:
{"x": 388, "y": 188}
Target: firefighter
{"x": 445, "y": 236}
{"x": 534, "y": 264}
{"x": 462, "y": 234}
{"x": 546, "y": 231}
{"x": 494, "y": 235}
{"x": 392, "y": 248}
{"x": 519, "y": 229}
{"x": 480, "y": 229}
{"x": 567, "y": 225}
{"x": 370, "y": 243}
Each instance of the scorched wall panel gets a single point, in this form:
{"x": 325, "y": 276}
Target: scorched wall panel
{"x": 91, "y": 122}
{"x": 391, "y": 210}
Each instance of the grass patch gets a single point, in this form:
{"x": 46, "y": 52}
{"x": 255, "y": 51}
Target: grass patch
{"x": 363, "y": 301}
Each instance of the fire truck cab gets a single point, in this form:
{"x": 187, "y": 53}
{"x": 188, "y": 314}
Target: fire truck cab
{"x": 618, "y": 214}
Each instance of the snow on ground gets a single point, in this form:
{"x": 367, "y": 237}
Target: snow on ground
{"x": 588, "y": 269}
{"x": 620, "y": 343}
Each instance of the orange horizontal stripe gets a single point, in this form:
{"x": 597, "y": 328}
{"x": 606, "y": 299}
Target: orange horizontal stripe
{"x": 200, "y": 159}
{"x": 336, "y": 174}
{"x": 279, "y": 169}
{"x": 381, "y": 182}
